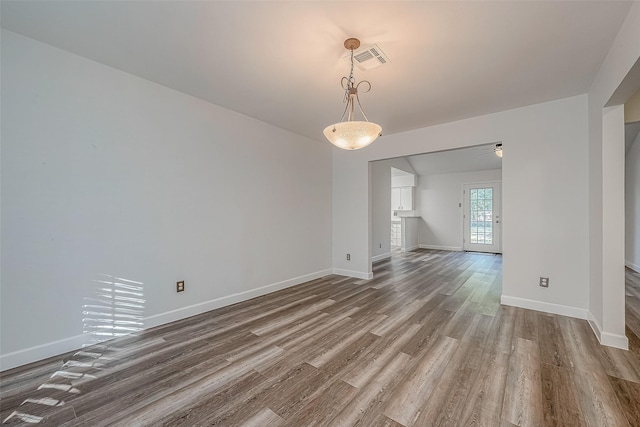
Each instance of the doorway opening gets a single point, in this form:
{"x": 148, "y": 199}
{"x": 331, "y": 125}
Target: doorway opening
{"x": 430, "y": 205}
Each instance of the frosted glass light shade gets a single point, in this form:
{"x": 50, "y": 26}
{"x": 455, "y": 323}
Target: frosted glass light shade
{"x": 352, "y": 135}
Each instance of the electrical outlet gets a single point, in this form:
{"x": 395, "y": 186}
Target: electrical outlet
{"x": 180, "y": 286}
{"x": 348, "y": 257}
{"x": 544, "y": 282}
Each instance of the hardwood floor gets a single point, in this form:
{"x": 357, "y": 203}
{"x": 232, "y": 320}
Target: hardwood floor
{"x": 425, "y": 343}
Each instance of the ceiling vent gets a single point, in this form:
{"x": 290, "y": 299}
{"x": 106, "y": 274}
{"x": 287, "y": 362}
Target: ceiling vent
{"x": 368, "y": 57}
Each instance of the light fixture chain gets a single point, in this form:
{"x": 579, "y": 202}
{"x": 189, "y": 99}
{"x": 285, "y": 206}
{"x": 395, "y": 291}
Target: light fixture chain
{"x": 351, "y": 78}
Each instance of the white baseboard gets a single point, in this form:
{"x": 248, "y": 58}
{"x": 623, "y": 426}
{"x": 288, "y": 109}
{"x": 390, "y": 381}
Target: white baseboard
{"x": 595, "y": 326}
{"x": 43, "y": 351}
{"x": 634, "y": 267}
{"x": 546, "y": 307}
{"x": 605, "y": 338}
{"x": 54, "y": 348}
{"x": 614, "y": 340}
{"x": 351, "y": 273}
{"x": 441, "y": 248}
{"x": 412, "y": 248}
{"x": 380, "y": 257}
{"x": 192, "y": 310}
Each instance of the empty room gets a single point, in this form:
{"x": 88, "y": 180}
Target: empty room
{"x": 310, "y": 213}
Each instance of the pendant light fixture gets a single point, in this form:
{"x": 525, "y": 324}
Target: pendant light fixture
{"x": 352, "y": 134}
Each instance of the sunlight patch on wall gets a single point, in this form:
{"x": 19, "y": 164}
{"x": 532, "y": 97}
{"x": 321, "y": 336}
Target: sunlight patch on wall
{"x": 113, "y": 312}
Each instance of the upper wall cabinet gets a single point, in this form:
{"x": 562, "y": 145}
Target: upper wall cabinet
{"x": 402, "y": 198}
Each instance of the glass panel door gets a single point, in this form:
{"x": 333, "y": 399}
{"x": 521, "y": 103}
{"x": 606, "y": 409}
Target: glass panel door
{"x": 482, "y": 217}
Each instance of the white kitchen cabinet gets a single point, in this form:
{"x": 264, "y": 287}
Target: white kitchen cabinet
{"x": 395, "y": 199}
{"x": 402, "y": 198}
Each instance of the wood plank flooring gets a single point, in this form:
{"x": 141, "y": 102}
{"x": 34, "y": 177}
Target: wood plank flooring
{"x": 425, "y": 343}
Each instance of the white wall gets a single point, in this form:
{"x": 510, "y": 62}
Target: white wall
{"x": 606, "y": 181}
{"x": 438, "y": 198}
{"x": 632, "y": 206}
{"x": 403, "y": 181}
{"x": 410, "y": 233}
{"x": 545, "y": 197}
{"x": 381, "y": 206}
{"x": 107, "y": 173}
{"x": 632, "y": 108}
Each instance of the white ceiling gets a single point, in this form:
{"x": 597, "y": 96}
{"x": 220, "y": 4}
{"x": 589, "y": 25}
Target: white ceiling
{"x": 280, "y": 62}
{"x": 455, "y": 161}
{"x": 398, "y": 172}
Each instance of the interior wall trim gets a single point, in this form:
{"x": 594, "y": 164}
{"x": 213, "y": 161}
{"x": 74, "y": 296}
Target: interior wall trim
{"x": 545, "y": 307}
{"x": 43, "y": 351}
{"x": 381, "y": 257}
{"x": 184, "y": 312}
{"x": 55, "y": 348}
{"x": 351, "y": 273}
{"x": 605, "y": 338}
{"x": 441, "y": 248}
